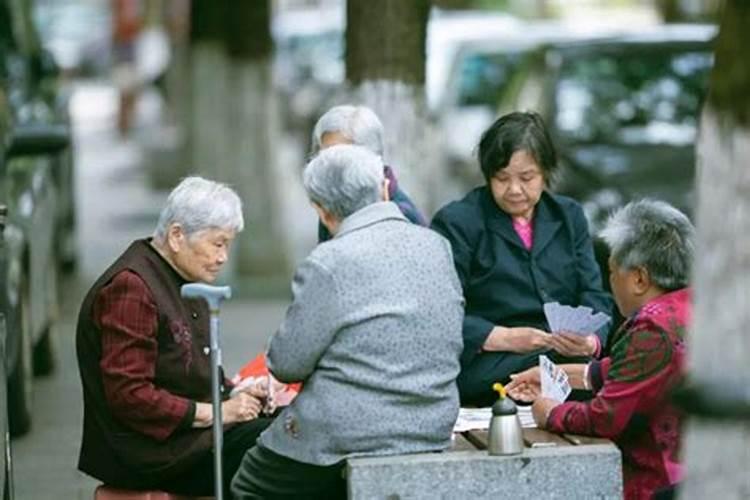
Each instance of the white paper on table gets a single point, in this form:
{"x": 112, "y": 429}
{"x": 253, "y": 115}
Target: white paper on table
{"x": 472, "y": 419}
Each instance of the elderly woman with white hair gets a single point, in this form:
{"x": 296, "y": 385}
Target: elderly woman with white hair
{"x": 142, "y": 354}
{"x": 374, "y": 332}
{"x": 359, "y": 125}
{"x": 651, "y": 245}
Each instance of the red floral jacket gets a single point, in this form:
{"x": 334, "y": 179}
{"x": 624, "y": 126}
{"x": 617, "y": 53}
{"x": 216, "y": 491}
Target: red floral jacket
{"x": 632, "y": 387}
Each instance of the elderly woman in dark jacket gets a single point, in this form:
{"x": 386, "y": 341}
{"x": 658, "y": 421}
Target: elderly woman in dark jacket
{"x": 517, "y": 246}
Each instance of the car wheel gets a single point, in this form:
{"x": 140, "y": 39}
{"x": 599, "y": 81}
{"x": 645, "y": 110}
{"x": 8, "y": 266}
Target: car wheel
{"x": 21, "y": 380}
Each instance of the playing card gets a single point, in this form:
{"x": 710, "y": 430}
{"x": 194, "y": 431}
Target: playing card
{"x": 547, "y": 366}
{"x": 555, "y": 384}
{"x": 546, "y": 373}
{"x": 562, "y": 385}
{"x": 581, "y": 320}
{"x": 577, "y": 321}
{"x": 598, "y": 320}
{"x": 551, "y": 313}
{"x": 566, "y": 318}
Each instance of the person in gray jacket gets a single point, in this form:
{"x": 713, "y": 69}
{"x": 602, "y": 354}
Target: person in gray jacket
{"x": 374, "y": 333}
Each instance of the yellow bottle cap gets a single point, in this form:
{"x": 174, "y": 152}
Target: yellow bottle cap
{"x": 500, "y": 389}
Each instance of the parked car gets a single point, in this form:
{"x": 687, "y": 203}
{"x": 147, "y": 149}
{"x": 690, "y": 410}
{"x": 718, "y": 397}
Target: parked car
{"x": 34, "y": 151}
{"x": 623, "y": 112}
{"x": 308, "y": 63}
{"x": 78, "y": 34}
{"x": 448, "y": 31}
{"x": 49, "y": 98}
{"x": 310, "y": 49}
{"x": 480, "y": 71}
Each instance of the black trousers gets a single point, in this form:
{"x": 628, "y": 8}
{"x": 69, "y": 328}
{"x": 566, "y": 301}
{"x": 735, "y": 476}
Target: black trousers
{"x": 199, "y": 479}
{"x": 265, "y": 474}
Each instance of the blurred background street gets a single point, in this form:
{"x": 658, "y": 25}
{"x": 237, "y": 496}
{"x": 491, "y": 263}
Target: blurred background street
{"x": 126, "y": 97}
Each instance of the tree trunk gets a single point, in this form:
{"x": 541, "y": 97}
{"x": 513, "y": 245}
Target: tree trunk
{"x": 251, "y": 129}
{"x": 171, "y": 149}
{"x": 669, "y": 10}
{"x": 208, "y": 86}
{"x": 680, "y": 11}
{"x": 177, "y": 79}
{"x": 385, "y": 66}
{"x": 385, "y": 40}
{"x": 454, "y": 4}
{"x": 717, "y": 453}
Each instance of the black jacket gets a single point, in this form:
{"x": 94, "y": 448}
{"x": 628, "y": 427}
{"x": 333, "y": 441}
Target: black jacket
{"x": 505, "y": 284}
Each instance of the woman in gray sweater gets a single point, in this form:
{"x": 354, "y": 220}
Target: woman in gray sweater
{"x": 374, "y": 332}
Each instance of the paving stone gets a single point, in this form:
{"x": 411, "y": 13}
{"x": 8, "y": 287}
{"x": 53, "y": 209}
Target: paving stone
{"x": 585, "y": 472}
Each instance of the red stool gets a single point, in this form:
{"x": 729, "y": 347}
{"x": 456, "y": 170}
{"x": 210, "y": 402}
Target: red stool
{"x": 104, "y": 492}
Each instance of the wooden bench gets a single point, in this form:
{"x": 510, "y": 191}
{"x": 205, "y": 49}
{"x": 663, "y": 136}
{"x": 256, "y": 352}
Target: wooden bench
{"x": 551, "y": 466}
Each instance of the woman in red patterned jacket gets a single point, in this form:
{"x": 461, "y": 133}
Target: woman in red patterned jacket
{"x": 651, "y": 246}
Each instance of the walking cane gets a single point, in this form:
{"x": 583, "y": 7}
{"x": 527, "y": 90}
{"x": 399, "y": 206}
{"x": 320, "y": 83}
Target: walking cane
{"x": 213, "y": 295}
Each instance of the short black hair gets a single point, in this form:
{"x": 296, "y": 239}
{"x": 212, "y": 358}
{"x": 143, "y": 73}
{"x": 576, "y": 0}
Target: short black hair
{"x": 517, "y": 131}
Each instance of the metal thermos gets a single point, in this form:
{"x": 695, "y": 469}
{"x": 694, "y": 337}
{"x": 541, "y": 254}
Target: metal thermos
{"x": 506, "y": 436}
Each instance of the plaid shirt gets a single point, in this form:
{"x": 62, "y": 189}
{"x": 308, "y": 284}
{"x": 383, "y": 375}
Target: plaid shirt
{"x": 126, "y": 313}
{"x": 632, "y": 387}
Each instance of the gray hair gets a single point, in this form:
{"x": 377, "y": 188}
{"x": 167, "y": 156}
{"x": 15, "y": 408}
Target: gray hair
{"x": 198, "y": 204}
{"x": 654, "y": 235}
{"x": 359, "y": 124}
{"x": 343, "y": 179}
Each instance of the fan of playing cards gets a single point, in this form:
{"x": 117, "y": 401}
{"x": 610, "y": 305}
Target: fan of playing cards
{"x": 555, "y": 384}
{"x": 580, "y": 320}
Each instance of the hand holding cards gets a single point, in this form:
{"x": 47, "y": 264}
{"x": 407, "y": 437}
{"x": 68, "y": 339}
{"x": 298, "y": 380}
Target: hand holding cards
{"x": 554, "y": 380}
{"x": 579, "y": 320}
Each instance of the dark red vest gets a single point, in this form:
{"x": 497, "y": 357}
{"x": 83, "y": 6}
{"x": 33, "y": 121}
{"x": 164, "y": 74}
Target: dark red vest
{"x": 111, "y": 451}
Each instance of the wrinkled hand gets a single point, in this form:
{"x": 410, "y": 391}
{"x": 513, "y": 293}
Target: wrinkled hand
{"x": 525, "y": 386}
{"x": 541, "y": 410}
{"x": 273, "y": 389}
{"x": 277, "y": 386}
{"x": 257, "y": 389}
{"x": 527, "y": 339}
{"x": 521, "y": 339}
{"x": 240, "y": 408}
{"x": 571, "y": 345}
